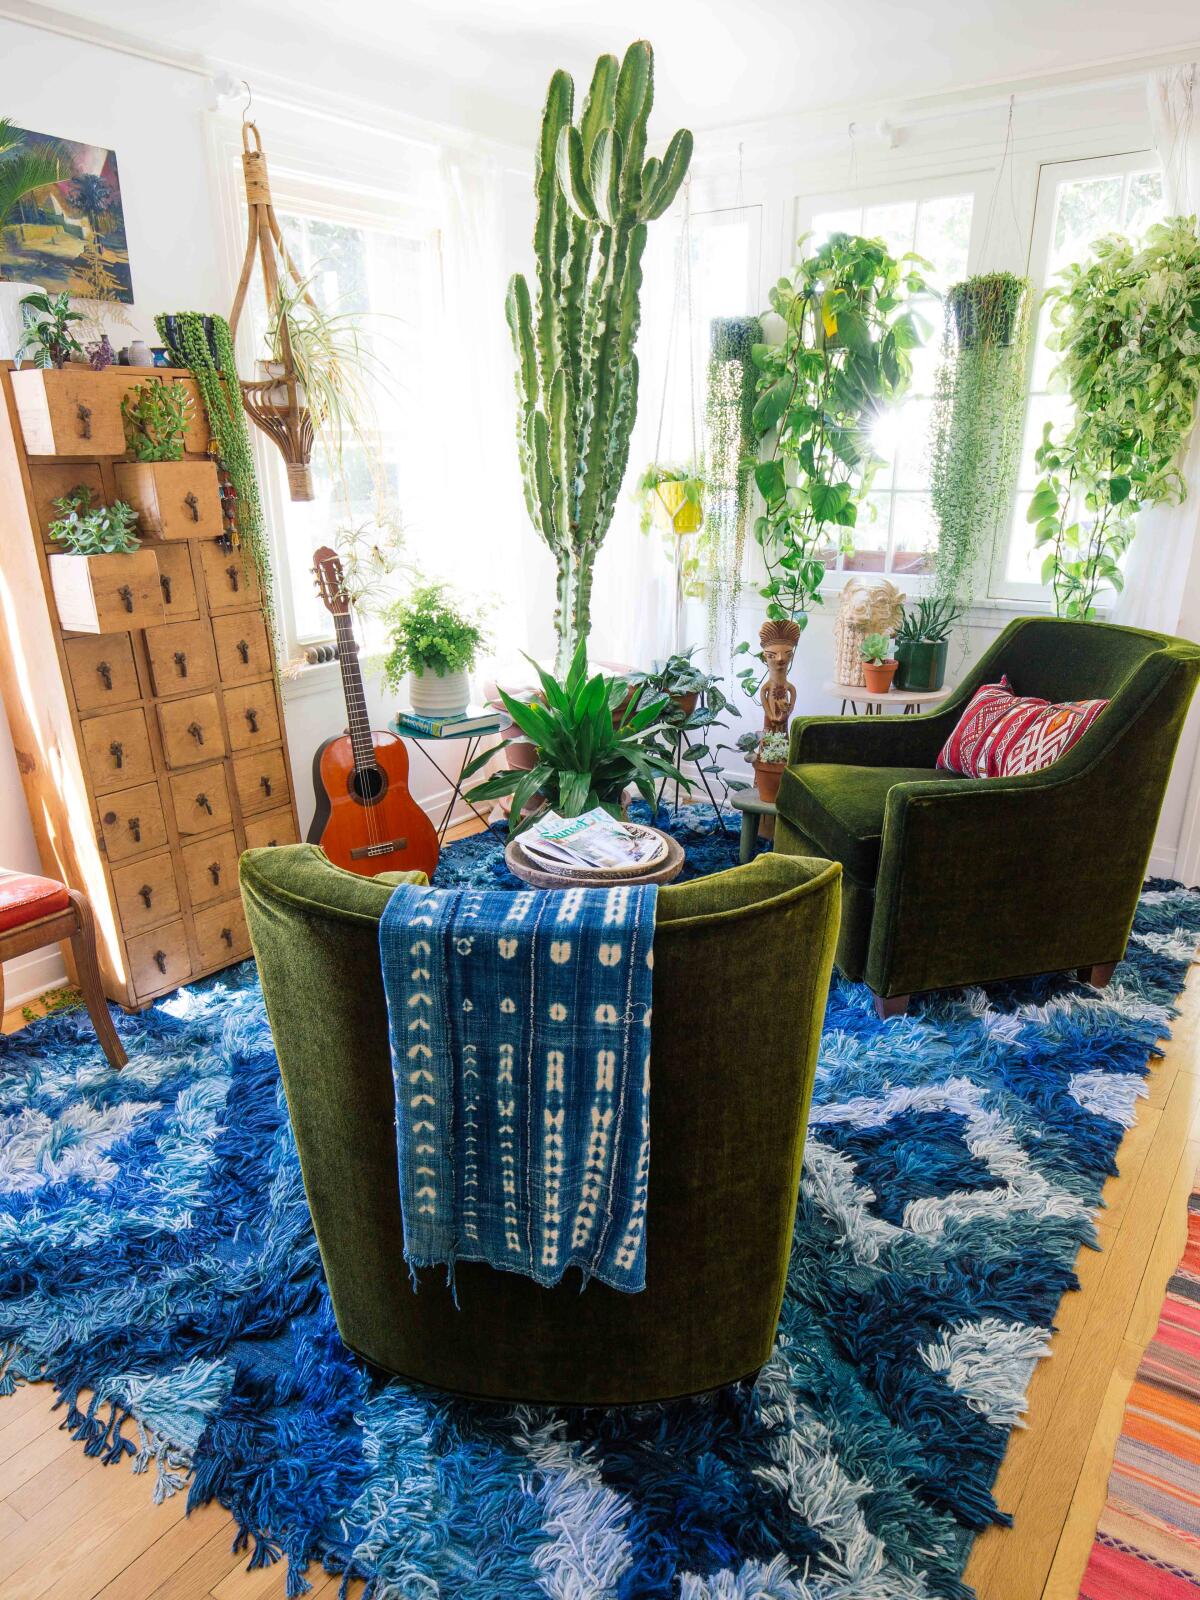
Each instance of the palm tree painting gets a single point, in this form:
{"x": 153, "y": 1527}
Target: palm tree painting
{"x": 62, "y": 225}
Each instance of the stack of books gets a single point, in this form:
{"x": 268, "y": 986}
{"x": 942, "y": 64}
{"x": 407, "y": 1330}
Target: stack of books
{"x": 475, "y": 719}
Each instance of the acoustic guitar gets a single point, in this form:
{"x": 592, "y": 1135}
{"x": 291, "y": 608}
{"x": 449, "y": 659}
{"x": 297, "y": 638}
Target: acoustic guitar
{"x": 366, "y": 820}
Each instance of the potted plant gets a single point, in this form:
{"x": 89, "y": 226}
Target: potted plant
{"x": 922, "y": 641}
{"x": 879, "y": 667}
{"x": 986, "y": 307}
{"x": 684, "y": 685}
{"x": 584, "y": 758}
{"x": 435, "y": 642}
{"x": 156, "y": 415}
{"x": 672, "y": 497}
{"x": 767, "y": 753}
{"x": 174, "y": 498}
{"x": 105, "y": 582}
{"x": 48, "y": 339}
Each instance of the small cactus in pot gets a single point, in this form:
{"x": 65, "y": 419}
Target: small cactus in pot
{"x": 879, "y": 665}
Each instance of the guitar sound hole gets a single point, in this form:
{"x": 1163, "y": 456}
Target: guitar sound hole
{"x": 369, "y": 786}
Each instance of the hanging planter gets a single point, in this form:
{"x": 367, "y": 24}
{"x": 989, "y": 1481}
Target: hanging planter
{"x": 986, "y": 309}
{"x": 673, "y": 498}
{"x": 729, "y": 448}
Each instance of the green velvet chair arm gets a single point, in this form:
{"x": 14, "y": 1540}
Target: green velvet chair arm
{"x": 886, "y": 741}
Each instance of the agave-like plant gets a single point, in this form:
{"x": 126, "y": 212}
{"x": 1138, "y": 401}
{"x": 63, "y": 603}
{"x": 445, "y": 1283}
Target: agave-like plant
{"x": 594, "y": 738}
{"x": 27, "y": 171}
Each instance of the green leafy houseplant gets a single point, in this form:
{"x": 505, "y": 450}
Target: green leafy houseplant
{"x": 156, "y": 416}
{"x": 695, "y": 701}
{"x": 978, "y": 421}
{"x": 681, "y": 512}
{"x": 23, "y": 174}
{"x": 87, "y": 529}
{"x": 922, "y": 643}
{"x": 713, "y": 567}
{"x": 48, "y": 339}
{"x": 586, "y": 755}
{"x": 843, "y": 359}
{"x": 430, "y": 632}
{"x": 577, "y": 374}
{"x": 1127, "y": 329}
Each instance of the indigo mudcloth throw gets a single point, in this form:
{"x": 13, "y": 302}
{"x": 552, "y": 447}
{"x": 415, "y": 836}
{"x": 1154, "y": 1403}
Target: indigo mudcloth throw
{"x": 520, "y": 1034}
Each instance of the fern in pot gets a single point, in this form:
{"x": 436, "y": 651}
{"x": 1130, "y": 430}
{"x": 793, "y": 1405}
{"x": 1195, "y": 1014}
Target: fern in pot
{"x": 922, "y": 642}
{"x": 435, "y": 642}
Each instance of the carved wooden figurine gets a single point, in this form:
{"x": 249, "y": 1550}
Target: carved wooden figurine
{"x": 778, "y": 696}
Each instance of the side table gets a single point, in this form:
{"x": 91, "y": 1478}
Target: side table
{"x": 753, "y": 808}
{"x": 539, "y": 876}
{"x": 423, "y": 739}
{"x": 910, "y": 701}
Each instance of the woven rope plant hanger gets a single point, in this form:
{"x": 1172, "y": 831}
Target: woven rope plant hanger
{"x": 276, "y": 404}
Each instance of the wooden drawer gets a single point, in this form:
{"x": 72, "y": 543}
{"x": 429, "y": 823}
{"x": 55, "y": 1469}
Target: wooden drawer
{"x": 51, "y": 482}
{"x": 146, "y": 892}
{"x": 107, "y": 594}
{"x": 201, "y": 800}
{"x": 118, "y": 750}
{"x": 159, "y": 960}
{"x": 221, "y": 933}
{"x": 132, "y": 821}
{"x": 210, "y": 868}
{"x": 191, "y": 730}
{"x": 232, "y": 583}
{"x": 275, "y": 827}
{"x": 176, "y": 580}
{"x": 75, "y": 412}
{"x": 173, "y": 499}
{"x": 251, "y": 715}
{"x": 260, "y": 780}
{"x": 242, "y": 648}
{"x": 196, "y": 439}
{"x": 181, "y": 657}
{"x": 102, "y": 671}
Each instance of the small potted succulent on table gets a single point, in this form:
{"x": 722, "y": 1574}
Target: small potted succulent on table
{"x": 767, "y": 753}
{"x": 435, "y": 642}
{"x": 105, "y": 582}
{"x": 879, "y": 665}
{"x": 922, "y": 642}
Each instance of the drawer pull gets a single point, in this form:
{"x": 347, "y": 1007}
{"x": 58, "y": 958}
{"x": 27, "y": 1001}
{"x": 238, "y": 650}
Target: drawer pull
{"x": 192, "y": 504}
{"x": 165, "y": 584}
{"x": 252, "y": 718}
{"x": 181, "y": 662}
{"x": 105, "y": 671}
{"x": 147, "y": 894}
{"x": 227, "y": 935}
{"x": 84, "y": 413}
{"x": 160, "y": 961}
{"x": 264, "y": 783}
{"x": 126, "y": 594}
{"x": 234, "y": 577}
{"x": 243, "y": 649}
{"x": 117, "y": 751}
{"x": 214, "y": 871}
{"x": 196, "y": 731}
{"x": 135, "y": 828}
{"x": 202, "y": 801}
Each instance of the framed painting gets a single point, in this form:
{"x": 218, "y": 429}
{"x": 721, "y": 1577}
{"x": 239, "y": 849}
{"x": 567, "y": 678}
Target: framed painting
{"x": 69, "y": 234}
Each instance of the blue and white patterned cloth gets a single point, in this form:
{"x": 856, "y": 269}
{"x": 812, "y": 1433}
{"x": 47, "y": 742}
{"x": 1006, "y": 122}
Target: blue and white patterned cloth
{"x": 520, "y": 1034}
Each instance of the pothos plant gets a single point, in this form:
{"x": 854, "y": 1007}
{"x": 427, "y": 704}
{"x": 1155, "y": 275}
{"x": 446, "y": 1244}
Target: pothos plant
{"x": 844, "y": 358}
{"x": 1127, "y": 328}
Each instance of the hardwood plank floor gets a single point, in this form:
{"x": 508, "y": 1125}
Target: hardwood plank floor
{"x": 74, "y": 1530}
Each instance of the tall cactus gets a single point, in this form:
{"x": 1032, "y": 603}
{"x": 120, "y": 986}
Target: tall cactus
{"x": 577, "y": 374}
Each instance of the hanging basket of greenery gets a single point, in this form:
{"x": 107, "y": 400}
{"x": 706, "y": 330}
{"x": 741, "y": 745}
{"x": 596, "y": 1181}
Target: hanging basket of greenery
{"x": 672, "y": 497}
{"x": 978, "y": 418}
{"x": 729, "y": 447}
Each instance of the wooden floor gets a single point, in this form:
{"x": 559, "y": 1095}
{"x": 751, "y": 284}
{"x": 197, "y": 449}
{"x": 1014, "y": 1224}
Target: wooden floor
{"x": 75, "y": 1530}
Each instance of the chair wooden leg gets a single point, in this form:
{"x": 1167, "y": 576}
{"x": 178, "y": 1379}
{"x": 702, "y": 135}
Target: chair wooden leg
{"x": 83, "y": 945}
{"x": 891, "y": 1005}
{"x": 1098, "y": 976}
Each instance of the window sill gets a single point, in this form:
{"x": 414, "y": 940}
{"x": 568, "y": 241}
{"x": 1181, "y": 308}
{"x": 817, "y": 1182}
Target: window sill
{"x": 306, "y": 681}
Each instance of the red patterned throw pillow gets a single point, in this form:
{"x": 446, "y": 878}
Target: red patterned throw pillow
{"x": 1002, "y": 734}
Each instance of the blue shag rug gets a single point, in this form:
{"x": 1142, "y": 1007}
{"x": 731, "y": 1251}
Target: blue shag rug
{"x": 155, "y": 1248}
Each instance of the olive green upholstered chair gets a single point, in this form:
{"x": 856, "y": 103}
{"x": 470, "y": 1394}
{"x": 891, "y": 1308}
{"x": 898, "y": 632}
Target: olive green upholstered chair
{"x": 952, "y": 880}
{"x": 741, "y": 972}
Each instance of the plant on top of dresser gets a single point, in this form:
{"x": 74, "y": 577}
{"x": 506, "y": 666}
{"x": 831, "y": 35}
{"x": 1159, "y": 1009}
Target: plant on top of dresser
{"x": 156, "y": 416}
{"x": 87, "y": 529}
{"x": 922, "y": 641}
{"x": 435, "y": 641}
{"x": 104, "y": 582}
{"x": 48, "y": 339}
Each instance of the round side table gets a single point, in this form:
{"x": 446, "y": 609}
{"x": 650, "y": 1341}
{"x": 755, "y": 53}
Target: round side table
{"x": 539, "y": 876}
{"x": 758, "y": 817}
{"x": 910, "y": 701}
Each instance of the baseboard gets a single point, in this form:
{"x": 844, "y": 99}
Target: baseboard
{"x": 26, "y": 977}
{"x": 1163, "y": 864}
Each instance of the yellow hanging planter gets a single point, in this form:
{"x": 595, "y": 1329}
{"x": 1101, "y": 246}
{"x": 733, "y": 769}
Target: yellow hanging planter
{"x": 673, "y": 511}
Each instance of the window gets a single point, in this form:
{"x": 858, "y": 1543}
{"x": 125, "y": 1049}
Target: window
{"x": 896, "y": 531}
{"x": 1077, "y": 203}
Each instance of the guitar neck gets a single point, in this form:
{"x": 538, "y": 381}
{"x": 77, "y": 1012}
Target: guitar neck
{"x": 352, "y": 688}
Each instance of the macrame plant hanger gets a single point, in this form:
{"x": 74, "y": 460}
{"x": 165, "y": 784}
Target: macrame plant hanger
{"x": 277, "y": 404}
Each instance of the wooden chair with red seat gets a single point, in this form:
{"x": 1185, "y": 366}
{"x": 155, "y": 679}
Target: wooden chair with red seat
{"x": 38, "y": 911}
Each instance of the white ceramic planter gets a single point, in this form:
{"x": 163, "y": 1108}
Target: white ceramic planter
{"x": 436, "y": 696}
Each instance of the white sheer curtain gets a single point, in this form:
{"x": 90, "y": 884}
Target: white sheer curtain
{"x": 1162, "y": 580}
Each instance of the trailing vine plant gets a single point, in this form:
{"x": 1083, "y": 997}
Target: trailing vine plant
{"x": 729, "y": 439}
{"x": 203, "y": 345}
{"x": 843, "y": 359}
{"x": 978, "y": 420}
{"x": 1127, "y": 328}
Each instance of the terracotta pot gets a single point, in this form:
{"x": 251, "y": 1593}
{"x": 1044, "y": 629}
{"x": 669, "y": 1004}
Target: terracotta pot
{"x": 686, "y": 703}
{"x": 521, "y": 755}
{"x": 879, "y": 676}
{"x": 766, "y": 779}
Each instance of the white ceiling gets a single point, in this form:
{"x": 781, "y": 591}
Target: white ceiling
{"x": 485, "y": 63}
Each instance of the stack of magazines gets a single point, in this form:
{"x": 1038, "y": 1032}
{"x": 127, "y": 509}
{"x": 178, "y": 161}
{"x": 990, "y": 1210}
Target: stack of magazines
{"x": 474, "y": 719}
{"x": 590, "y": 843}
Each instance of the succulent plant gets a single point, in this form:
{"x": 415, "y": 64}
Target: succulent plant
{"x": 875, "y": 649}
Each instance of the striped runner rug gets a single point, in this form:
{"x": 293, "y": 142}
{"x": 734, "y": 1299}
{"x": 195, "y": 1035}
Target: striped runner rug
{"x": 1148, "y": 1539}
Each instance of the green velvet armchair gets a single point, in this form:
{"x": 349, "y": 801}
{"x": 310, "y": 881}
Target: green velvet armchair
{"x": 952, "y": 880}
{"x": 741, "y": 972}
